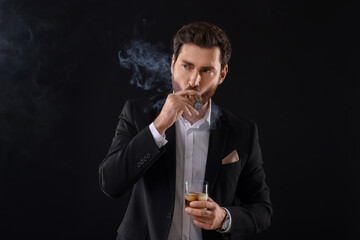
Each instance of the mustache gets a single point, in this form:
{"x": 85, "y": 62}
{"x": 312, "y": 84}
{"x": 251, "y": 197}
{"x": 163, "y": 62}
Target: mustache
{"x": 196, "y": 88}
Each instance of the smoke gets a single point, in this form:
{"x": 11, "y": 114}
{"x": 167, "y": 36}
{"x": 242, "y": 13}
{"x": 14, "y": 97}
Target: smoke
{"x": 10, "y": 51}
{"x": 27, "y": 97}
{"x": 150, "y": 68}
{"x": 149, "y": 63}
{"x": 215, "y": 115}
{"x": 156, "y": 106}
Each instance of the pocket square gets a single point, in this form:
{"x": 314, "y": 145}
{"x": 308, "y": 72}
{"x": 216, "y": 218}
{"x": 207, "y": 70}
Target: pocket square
{"x": 231, "y": 158}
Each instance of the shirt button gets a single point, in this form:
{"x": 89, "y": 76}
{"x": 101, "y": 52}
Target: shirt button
{"x": 168, "y": 215}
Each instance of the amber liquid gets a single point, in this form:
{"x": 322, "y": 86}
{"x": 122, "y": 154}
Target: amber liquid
{"x": 194, "y": 196}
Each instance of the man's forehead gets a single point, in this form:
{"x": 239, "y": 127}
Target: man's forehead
{"x": 196, "y": 55}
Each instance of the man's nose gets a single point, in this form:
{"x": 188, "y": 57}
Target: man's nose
{"x": 195, "y": 79}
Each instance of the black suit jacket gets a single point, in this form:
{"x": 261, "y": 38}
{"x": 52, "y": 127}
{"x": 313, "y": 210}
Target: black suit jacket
{"x": 134, "y": 161}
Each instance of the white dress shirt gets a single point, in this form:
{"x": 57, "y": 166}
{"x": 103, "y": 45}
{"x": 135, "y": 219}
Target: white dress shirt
{"x": 192, "y": 142}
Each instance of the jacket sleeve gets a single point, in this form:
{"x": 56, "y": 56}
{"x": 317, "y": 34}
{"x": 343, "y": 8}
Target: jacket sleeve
{"x": 253, "y": 211}
{"x": 132, "y": 152}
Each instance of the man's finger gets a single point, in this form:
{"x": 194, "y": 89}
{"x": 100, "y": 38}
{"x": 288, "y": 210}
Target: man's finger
{"x": 202, "y": 225}
{"x": 198, "y": 212}
{"x": 192, "y": 109}
{"x": 188, "y": 110}
{"x": 189, "y": 105}
{"x": 188, "y": 92}
{"x": 202, "y": 204}
{"x": 201, "y": 219}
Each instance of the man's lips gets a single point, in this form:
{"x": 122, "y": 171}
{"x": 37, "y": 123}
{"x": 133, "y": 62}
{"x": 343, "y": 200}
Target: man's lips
{"x": 193, "y": 98}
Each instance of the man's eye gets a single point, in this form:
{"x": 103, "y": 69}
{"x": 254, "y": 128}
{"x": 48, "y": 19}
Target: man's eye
{"x": 208, "y": 71}
{"x": 186, "y": 66}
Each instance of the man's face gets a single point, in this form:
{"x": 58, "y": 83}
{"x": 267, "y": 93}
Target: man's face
{"x": 198, "y": 69}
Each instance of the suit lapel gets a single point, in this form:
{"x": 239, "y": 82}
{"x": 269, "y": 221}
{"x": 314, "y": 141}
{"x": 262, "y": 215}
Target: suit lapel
{"x": 217, "y": 141}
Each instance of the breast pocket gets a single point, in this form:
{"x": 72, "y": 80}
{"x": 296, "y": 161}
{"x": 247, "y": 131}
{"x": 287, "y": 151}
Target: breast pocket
{"x": 225, "y": 186}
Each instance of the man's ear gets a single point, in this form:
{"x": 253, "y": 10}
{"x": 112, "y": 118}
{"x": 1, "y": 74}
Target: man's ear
{"x": 172, "y": 63}
{"x": 223, "y": 74}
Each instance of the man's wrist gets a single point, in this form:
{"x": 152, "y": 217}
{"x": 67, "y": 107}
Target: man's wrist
{"x": 226, "y": 224}
{"x": 161, "y": 129}
{"x": 159, "y": 140}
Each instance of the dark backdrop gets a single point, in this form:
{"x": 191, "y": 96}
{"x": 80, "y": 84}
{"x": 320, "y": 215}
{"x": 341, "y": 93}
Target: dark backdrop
{"x": 294, "y": 70}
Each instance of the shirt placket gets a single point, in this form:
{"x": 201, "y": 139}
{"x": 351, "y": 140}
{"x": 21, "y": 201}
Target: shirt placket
{"x": 189, "y": 153}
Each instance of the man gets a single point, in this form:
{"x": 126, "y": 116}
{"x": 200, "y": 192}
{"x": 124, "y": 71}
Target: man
{"x": 189, "y": 137}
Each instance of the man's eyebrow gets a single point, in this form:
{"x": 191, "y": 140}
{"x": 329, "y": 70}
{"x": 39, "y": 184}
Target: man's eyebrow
{"x": 208, "y": 67}
{"x": 204, "y": 67}
{"x": 186, "y": 62}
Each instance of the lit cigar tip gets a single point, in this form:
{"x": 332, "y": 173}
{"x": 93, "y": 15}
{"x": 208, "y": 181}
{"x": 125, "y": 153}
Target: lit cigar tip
{"x": 198, "y": 105}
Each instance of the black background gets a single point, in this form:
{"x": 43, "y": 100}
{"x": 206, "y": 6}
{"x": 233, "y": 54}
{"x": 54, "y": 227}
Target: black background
{"x": 294, "y": 71}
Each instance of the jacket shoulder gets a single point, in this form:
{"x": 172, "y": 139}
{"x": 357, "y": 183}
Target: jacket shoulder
{"x": 236, "y": 121}
{"x": 145, "y": 105}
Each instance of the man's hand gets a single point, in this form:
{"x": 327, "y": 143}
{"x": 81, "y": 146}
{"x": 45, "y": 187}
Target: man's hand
{"x": 175, "y": 105}
{"x": 206, "y": 214}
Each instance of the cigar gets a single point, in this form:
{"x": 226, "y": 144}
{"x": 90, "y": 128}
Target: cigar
{"x": 195, "y": 102}
{"x": 198, "y": 105}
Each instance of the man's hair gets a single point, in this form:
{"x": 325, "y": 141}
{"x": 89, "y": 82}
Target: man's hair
{"x": 205, "y": 35}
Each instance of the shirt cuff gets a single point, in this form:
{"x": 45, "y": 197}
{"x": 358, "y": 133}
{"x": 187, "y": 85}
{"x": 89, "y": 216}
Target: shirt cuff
{"x": 229, "y": 226}
{"x": 159, "y": 140}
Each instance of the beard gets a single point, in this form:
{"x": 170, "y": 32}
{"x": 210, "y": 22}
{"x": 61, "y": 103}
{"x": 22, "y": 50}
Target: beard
{"x": 199, "y": 101}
